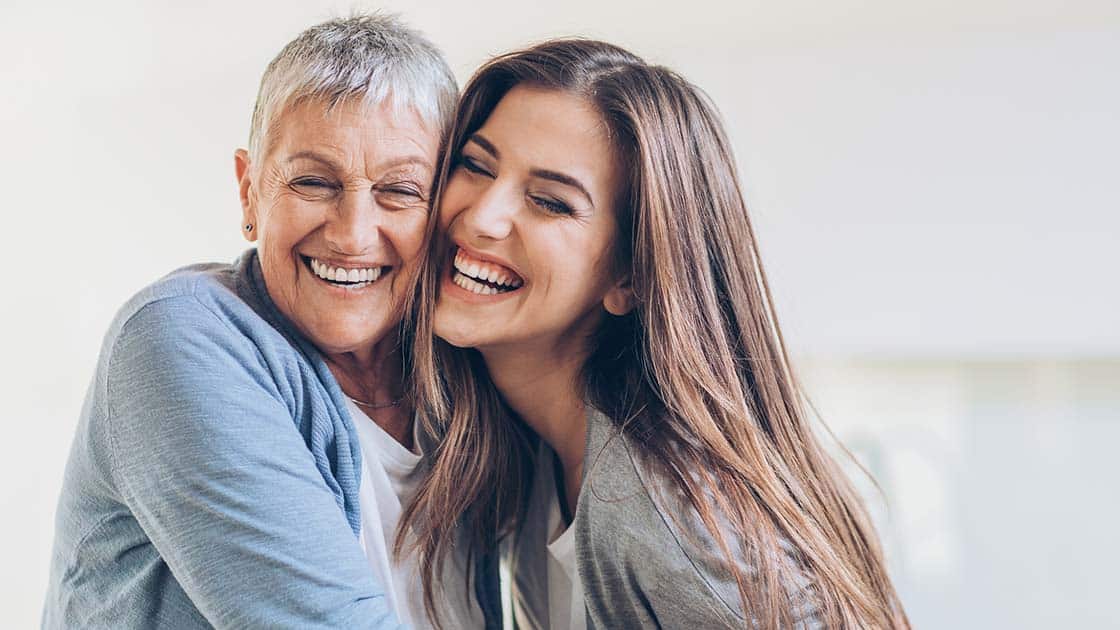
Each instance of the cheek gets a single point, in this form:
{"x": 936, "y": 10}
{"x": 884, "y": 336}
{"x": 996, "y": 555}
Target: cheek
{"x": 583, "y": 279}
{"x": 276, "y": 238}
{"x": 457, "y": 194}
{"x": 286, "y": 221}
{"x": 410, "y": 235}
{"x": 283, "y": 227}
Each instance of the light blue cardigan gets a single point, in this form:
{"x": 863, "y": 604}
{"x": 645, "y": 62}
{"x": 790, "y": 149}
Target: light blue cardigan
{"x": 213, "y": 479}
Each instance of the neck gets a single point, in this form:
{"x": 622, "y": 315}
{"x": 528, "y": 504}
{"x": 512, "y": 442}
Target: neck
{"x": 373, "y": 375}
{"x": 544, "y": 389}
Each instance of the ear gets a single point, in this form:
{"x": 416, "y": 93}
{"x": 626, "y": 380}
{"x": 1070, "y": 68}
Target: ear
{"x": 619, "y": 299}
{"x": 241, "y": 170}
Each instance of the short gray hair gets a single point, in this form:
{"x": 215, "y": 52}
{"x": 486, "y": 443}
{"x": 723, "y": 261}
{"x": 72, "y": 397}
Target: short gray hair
{"x": 373, "y": 57}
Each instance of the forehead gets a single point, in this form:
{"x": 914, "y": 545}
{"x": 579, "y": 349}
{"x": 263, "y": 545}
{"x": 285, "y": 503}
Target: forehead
{"x": 553, "y": 130}
{"x": 349, "y": 128}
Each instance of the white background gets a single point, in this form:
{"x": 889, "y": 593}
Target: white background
{"x": 934, "y": 184}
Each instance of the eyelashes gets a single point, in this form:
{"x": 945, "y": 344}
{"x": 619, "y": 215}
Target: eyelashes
{"x": 401, "y": 189}
{"x": 473, "y": 166}
{"x": 318, "y": 188}
{"x": 314, "y": 187}
{"x": 552, "y": 205}
{"x": 548, "y": 204}
{"x": 312, "y": 182}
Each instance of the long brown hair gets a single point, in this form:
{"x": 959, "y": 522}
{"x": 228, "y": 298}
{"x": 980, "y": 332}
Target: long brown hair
{"x": 697, "y": 376}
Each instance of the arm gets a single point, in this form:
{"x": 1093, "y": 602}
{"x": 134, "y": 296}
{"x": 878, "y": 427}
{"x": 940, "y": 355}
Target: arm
{"x": 212, "y": 467}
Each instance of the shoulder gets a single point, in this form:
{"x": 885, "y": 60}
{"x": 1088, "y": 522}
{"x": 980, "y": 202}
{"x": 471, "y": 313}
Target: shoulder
{"x": 198, "y": 293}
{"x": 632, "y": 547}
{"x": 621, "y": 490}
{"x": 201, "y": 304}
{"x": 641, "y": 533}
{"x": 191, "y": 331}
{"x": 188, "y": 361}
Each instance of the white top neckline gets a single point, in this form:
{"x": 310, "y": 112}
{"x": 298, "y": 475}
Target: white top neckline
{"x": 565, "y": 590}
{"x": 388, "y": 482}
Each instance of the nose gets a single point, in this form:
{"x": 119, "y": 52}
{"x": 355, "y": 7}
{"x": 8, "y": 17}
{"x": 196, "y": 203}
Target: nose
{"x": 355, "y": 228}
{"x": 491, "y": 215}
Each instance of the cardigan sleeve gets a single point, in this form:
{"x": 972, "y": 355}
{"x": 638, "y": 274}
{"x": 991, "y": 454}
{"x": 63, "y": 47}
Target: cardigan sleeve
{"x": 207, "y": 458}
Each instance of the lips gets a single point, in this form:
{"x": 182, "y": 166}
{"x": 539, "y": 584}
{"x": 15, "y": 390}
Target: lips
{"x": 483, "y": 277}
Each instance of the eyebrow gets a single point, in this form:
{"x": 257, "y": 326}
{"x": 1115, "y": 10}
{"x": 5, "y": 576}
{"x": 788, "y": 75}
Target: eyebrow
{"x": 313, "y": 156}
{"x": 542, "y": 173}
{"x": 406, "y": 160}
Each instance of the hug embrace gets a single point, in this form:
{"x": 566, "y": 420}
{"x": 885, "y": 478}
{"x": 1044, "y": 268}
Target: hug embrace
{"x": 525, "y": 326}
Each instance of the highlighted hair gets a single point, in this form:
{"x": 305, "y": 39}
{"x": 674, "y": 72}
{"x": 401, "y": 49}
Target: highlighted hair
{"x": 696, "y": 376}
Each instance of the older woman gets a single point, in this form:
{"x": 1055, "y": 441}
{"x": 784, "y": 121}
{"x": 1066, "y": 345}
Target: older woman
{"x": 246, "y": 438}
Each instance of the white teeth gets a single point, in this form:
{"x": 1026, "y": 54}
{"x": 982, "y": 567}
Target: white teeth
{"x": 487, "y": 272}
{"x": 470, "y": 285}
{"x": 341, "y": 274}
{"x": 473, "y": 286}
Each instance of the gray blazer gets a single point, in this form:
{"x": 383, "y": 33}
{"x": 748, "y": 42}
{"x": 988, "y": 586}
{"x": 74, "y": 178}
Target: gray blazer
{"x": 638, "y": 568}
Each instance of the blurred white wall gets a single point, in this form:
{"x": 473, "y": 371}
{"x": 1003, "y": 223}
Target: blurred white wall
{"x": 934, "y": 184}
{"x": 997, "y": 506}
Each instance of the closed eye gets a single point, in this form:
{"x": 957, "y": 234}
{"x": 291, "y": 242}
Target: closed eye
{"x": 315, "y": 187}
{"x": 473, "y": 166}
{"x": 552, "y": 206}
{"x": 401, "y": 190}
{"x": 312, "y": 181}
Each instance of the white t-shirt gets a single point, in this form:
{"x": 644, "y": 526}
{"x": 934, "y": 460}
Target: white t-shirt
{"x": 387, "y": 485}
{"x": 563, "y": 610}
{"x": 565, "y": 592}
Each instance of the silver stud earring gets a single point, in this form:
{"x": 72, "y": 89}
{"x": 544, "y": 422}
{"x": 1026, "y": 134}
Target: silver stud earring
{"x": 248, "y": 227}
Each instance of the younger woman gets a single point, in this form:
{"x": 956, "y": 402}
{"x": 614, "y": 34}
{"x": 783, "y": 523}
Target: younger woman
{"x": 611, "y": 385}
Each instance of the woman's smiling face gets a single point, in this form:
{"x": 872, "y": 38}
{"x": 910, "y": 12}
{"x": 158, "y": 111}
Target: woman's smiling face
{"x": 529, "y": 214}
{"x": 338, "y": 206}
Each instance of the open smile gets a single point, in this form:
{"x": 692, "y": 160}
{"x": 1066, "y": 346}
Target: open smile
{"x": 483, "y": 277}
{"x": 345, "y": 277}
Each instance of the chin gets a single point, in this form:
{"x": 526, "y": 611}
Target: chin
{"x": 339, "y": 342}
{"x": 459, "y": 343}
{"x": 457, "y": 337}
{"x": 457, "y": 340}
